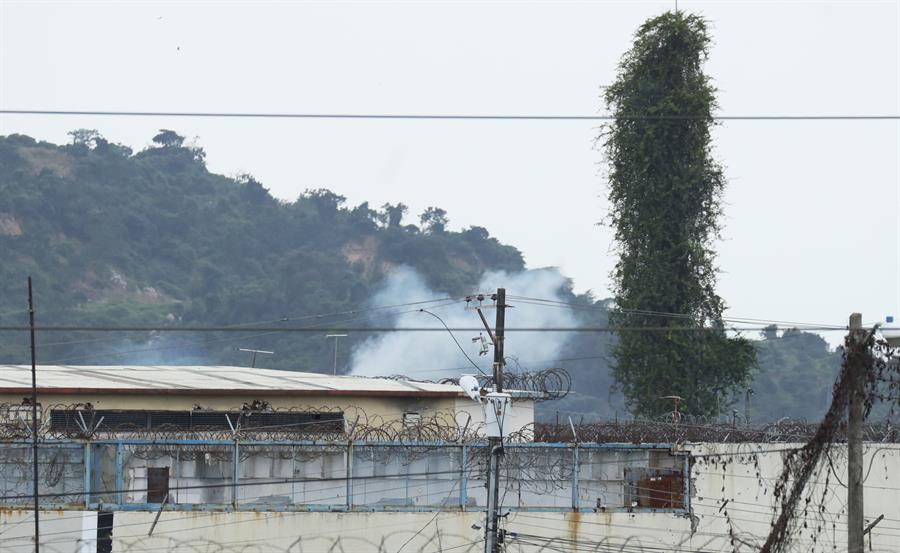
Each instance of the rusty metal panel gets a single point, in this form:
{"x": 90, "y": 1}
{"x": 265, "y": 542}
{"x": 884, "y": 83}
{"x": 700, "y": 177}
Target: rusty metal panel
{"x": 157, "y": 484}
{"x": 654, "y": 488}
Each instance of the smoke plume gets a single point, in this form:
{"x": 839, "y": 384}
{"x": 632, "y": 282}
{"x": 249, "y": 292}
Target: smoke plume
{"x": 434, "y": 355}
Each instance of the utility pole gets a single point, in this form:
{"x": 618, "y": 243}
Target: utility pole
{"x": 855, "y": 536}
{"x": 34, "y": 423}
{"x": 492, "y": 534}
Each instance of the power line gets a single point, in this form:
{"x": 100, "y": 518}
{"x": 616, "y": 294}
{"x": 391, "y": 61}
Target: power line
{"x": 236, "y": 484}
{"x": 450, "y": 116}
{"x": 267, "y": 482}
{"x": 455, "y": 341}
{"x": 142, "y": 523}
{"x": 276, "y": 329}
{"x": 357, "y": 314}
{"x": 553, "y": 303}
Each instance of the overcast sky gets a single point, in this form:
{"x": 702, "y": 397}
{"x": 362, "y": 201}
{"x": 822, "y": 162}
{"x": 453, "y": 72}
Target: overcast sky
{"x": 812, "y": 227}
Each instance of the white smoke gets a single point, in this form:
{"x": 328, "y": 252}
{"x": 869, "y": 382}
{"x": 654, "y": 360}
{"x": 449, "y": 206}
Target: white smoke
{"x": 433, "y": 355}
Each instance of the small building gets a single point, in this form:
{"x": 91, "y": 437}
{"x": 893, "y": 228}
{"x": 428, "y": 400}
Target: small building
{"x": 191, "y": 398}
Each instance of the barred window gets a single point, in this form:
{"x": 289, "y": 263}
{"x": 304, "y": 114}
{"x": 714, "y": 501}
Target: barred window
{"x": 72, "y": 420}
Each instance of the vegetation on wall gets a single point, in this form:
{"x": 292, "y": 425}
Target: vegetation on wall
{"x": 665, "y": 189}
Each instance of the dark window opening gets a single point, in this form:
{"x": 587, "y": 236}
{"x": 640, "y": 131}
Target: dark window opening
{"x": 72, "y": 420}
{"x": 157, "y": 484}
{"x": 411, "y": 419}
{"x": 104, "y": 531}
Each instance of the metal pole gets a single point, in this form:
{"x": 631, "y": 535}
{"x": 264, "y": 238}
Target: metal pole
{"x": 253, "y": 353}
{"x": 855, "y": 535}
{"x": 335, "y": 336}
{"x": 491, "y": 542}
{"x": 747, "y": 393}
{"x": 34, "y": 423}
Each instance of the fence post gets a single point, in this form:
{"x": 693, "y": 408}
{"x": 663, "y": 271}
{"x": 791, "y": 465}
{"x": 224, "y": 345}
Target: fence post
{"x": 120, "y": 477}
{"x": 463, "y": 461}
{"x": 235, "y": 474}
{"x": 88, "y": 476}
{"x": 575, "y": 474}
{"x": 349, "y": 475}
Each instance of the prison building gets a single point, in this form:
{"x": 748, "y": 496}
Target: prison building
{"x": 194, "y": 398}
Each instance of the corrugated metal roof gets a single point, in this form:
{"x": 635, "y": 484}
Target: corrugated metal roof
{"x": 206, "y": 380}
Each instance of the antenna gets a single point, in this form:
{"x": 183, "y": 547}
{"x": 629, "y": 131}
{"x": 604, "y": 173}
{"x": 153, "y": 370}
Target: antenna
{"x": 335, "y": 336}
{"x": 254, "y": 352}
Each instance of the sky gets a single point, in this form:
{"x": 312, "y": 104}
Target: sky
{"x": 812, "y": 208}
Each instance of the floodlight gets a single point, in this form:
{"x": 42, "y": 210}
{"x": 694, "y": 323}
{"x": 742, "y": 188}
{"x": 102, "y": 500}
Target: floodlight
{"x": 470, "y": 386}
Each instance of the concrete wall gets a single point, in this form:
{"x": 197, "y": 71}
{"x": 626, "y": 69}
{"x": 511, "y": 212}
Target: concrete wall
{"x": 743, "y": 475}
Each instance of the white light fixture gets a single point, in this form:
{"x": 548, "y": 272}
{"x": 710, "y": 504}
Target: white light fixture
{"x": 495, "y": 406}
{"x": 470, "y": 386}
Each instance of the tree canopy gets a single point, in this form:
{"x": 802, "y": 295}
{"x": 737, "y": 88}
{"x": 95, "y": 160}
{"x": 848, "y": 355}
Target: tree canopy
{"x": 154, "y": 238}
{"x": 665, "y": 189}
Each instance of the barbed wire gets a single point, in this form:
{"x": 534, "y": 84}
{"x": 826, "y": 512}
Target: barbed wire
{"x": 661, "y": 431}
{"x": 542, "y": 385}
{"x": 327, "y": 424}
{"x": 352, "y": 423}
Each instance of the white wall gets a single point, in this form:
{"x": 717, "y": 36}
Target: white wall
{"x": 745, "y": 480}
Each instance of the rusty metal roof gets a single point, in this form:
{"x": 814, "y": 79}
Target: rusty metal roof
{"x": 206, "y": 380}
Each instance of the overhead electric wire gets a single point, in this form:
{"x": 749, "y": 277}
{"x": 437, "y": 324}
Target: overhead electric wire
{"x": 449, "y": 116}
{"x": 259, "y": 333}
{"x": 233, "y": 484}
{"x": 417, "y": 370}
{"x": 538, "y": 301}
{"x": 766, "y": 521}
{"x": 432, "y": 519}
{"x": 81, "y": 492}
{"x": 214, "y": 525}
{"x": 474, "y": 364}
{"x": 356, "y": 311}
{"x": 771, "y": 511}
{"x": 383, "y": 329}
{"x": 267, "y": 513}
{"x": 609, "y": 546}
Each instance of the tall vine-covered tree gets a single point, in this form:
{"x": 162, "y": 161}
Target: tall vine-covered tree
{"x": 665, "y": 192}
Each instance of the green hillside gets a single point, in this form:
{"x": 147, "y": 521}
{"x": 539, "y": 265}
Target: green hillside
{"x": 113, "y": 237}
{"x": 118, "y": 238}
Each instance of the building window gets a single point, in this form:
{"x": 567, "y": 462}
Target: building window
{"x": 157, "y": 484}
{"x": 411, "y": 419}
{"x": 104, "y": 531}
{"x": 69, "y": 420}
{"x": 17, "y": 414}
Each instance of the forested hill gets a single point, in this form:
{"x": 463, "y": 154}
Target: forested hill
{"x": 113, "y": 237}
{"x": 152, "y": 238}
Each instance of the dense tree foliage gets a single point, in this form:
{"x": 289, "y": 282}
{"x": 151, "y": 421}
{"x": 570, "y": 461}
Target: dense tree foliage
{"x": 790, "y": 364}
{"x": 664, "y": 190}
{"x": 153, "y": 238}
